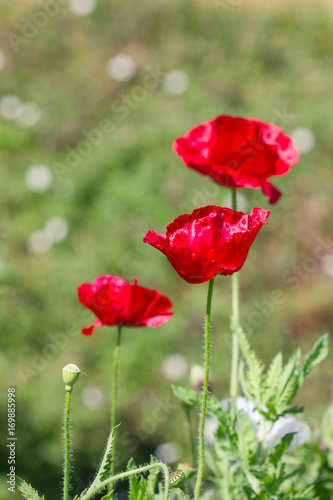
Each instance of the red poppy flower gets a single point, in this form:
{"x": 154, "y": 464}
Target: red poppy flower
{"x": 210, "y": 241}
{"x": 239, "y": 152}
{"x": 116, "y": 302}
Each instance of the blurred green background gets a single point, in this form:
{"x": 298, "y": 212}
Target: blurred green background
{"x": 78, "y": 194}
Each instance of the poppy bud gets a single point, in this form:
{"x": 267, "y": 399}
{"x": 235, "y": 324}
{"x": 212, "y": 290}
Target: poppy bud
{"x": 177, "y": 479}
{"x": 70, "y": 374}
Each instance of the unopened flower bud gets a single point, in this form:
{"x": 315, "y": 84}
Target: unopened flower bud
{"x": 177, "y": 479}
{"x": 70, "y": 374}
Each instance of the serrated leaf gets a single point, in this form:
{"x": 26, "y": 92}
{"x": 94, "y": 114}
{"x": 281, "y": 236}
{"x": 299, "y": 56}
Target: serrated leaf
{"x": 246, "y": 386}
{"x": 152, "y": 477}
{"x": 104, "y": 469}
{"x": 108, "y": 496}
{"x": 254, "y": 374}
{"x": 140, "y": 487}
{"x": 273, "y": 376}
{"x": 27, "y": 490}
{"x": 246, "y": 439}
{"x": 317, "y": 354}
{"x": 288, "y": 384}
{"x": 279, "y": 450}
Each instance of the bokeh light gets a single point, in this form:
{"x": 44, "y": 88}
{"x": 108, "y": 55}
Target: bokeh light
{"x": 38, "y": 178}
{"x": 175, "y": 82}
{"x": 57, "y": 228}
{"x": 9, "y": 104}
{"x": 168, "y": 452}
{"x": 39, "y": 242}
{"x": 304, "y": 139}
{"x": 121, "y": 68}
{"x": 174, "y": 367}
{"x": 82, "y": 7}
{"x": 27, "y": 115}
{"x": 92, "y": 397}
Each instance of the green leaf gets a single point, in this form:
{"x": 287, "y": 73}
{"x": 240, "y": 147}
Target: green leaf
{"x": 273, "y": 377}
{"x": 140, "y": 487}
{"x": 317, "y": 354}
{"x": 108, "y": 496}
{"x": 27, "y": 490}
{"x": 254, "y": 374}
{"x": 280, "y": 449}
{"x": 104, "y": 469}
{"x": 152, "y": 477}
{"x": 188, "y": 396}
{"x": 288, "y": 383}
{"x": 246, "y": 440}
{"x": 214, "y": 406}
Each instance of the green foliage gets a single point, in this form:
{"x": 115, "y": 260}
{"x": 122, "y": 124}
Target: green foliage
{"x": 143, "y": 488}
{"x": 191, "y": 397}
{"x": 27, "y": 490}
{"x": 273, "y": 392}
{"x": 108, "y": 496}
{"x": 103, "y": 471}
{"x": 243, "y": 466}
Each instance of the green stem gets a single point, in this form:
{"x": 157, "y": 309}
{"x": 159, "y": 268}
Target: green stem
{"x": 123, "y": 475}
{"x": 67, "y": 452}
{"x": 114, "y": 398}
{"x": 234, "y": 381}
{"x": 187, "y": 410}
{"x": 185, "y": 494}
{"x": 201, "y": 454}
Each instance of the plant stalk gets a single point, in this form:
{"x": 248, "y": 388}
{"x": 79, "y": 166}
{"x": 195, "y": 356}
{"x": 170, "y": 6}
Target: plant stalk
{"x": 67, "y": 450}
{"x": 114, "y": 398}
{"x": 201, "y": 451}
{"x": 234, "y": 381}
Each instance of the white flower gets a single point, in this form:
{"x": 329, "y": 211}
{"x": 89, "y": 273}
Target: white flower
{"x": 287, "y": 425}
{"x": 283, "y": 426}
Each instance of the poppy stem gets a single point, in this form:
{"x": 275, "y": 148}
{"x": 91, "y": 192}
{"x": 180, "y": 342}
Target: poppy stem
{"x": 114, "y": 398}
{"x": 201, "y": 451}
{"x": 185, "y": 494}
{"x": 234, "y": 381}
{"x": 67, "y": 451}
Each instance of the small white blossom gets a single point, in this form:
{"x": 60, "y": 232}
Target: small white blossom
{"x": 283, "y": 426}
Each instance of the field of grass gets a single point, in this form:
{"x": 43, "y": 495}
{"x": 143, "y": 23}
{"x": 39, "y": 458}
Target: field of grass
{"x": 271, "y": 64}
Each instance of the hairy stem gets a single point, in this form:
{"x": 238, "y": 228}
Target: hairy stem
{"x": 234, "y": 381}
{"x": 123, "y": 475}
{"x": 67, "y": 451}
{"x": 114, "y": 398}
{"x": 201, "y": 451}
{"x": 185, "y": 494}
